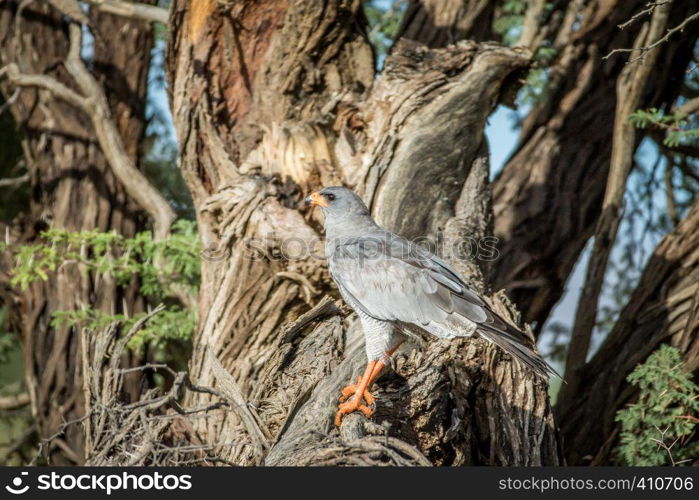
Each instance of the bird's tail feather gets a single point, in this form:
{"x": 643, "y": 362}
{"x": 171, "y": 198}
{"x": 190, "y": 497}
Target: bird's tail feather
{"x": 515, "y": 347}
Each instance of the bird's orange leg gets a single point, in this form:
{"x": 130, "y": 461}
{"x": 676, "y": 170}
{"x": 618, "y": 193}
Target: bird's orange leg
{"x": 359, "y": 390}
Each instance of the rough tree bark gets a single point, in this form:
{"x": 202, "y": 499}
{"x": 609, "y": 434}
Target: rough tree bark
{"x": 438, "y": 23}
{"x": 562, "y": 161}
{"x": 272, "y": 100}
{"x": 548, "y": 198}
{"x": 664, "y": 308}
{"x": 72, "y": 188}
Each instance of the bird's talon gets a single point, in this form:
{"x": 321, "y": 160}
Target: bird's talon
{"x": 354, "y": 404}
{"x": 368, "y": 412}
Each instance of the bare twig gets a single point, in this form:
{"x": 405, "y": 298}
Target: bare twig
{"x": 650, "y": 7}
{"x": 150, "y": 13}
{"x": 14, "y": 181}
{"x": 154, "y": 429}
{"x": 644, "y": 50}
{"x": 49, "y": 440}
{"x": 668, "y": 448}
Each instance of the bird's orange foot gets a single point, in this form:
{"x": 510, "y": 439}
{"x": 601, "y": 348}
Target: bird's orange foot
{"x": 349, "y": 390}
{"x": 352, "y": 405}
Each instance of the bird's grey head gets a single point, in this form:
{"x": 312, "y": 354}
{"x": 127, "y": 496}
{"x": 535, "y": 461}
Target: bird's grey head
{"x": 339, "y": 204}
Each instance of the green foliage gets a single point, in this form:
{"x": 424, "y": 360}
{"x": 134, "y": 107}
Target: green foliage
{"x": 158, "y": 265}
{"x": 172, "y": 324}
{"x": 159, "y": 268}
{"x": 665, "y": 415}
{"x": 676, "y": 126}
{"x": 384, "y": 21}
{"x": 509, "y": 23}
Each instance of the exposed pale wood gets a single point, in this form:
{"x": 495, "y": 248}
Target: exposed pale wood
{"x": 134, "y": 10}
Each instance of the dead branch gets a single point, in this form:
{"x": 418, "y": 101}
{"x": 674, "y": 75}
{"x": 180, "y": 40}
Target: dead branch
{"x": 14, "y": 402}
{"x": 14, "y": 181}
{"x": 650, "y": 7}
{"x": 150, "y": 13}
{"x": 645, "y": 49}
{"x": 155, "y": 429}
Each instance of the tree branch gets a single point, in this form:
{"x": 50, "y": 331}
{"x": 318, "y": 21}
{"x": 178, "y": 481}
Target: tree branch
{"x": 14, "y": 402}
{"x": 630, "y": 87}
{"x": 689, "y": 107}
{"x": 133, "y": 180}
{"x": 150, "y": 13}
{"x": 94, "y": 104}
{"x": 11, "y": 71}
{"x": 659, "y": 41}
{"x": 14, "y": 181}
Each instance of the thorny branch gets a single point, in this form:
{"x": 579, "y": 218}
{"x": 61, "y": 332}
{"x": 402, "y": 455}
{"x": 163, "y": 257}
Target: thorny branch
{"x": 154, "y": 429}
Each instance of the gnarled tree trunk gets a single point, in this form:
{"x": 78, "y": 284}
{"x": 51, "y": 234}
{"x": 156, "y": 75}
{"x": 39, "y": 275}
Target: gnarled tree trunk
{"x": 72, "y": 188}
{"x": 272, "y": 100}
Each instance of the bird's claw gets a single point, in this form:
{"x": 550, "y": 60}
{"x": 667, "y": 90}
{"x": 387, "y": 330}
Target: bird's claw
{"x": 352, "y": 389}
{"x": 352, "y": 405}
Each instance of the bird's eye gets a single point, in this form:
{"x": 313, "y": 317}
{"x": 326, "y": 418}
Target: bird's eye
{"x": 330, "y": 197}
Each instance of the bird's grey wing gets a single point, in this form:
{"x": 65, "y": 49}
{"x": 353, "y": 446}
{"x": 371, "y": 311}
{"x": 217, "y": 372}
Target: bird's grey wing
{"x": 392, "y": 279}
{"x": 389, "y": 286}
{"x": 490, "y": 325}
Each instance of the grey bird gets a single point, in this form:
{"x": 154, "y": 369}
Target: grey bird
{"x": 394, "y": 285}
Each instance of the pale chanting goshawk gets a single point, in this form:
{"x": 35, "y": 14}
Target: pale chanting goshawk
{"x": 395, "y": 285}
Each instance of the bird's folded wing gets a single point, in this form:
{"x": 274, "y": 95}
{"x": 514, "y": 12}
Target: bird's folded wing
{"x": 397, "y": 281}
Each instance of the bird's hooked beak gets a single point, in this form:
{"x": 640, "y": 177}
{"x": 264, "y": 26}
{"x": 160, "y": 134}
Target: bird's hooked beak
{"x": 316, "y": 199}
